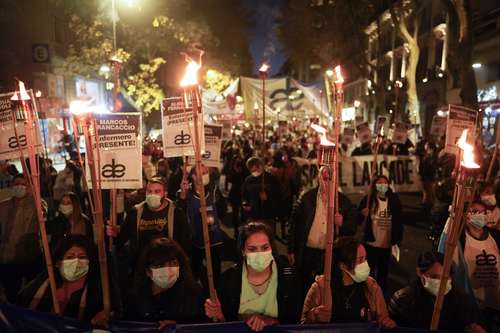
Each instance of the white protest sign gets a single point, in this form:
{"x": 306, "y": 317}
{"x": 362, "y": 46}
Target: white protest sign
{"x": 10, "y": 145}
{"x": 348, "y": 136}
{"x": 178, "y": 129}
{"x": 213, "y": 141}
{"x": 438, "y": 126}
{"x": 226, "y": 132}
{"x": 379, "y": 124}
{"x": 364, "y": 133}
{"x": 400, "y": 133}
{"x": 354, "y": 173}
{"x": 459, "y": 119}
{"x": 120, "y": 151}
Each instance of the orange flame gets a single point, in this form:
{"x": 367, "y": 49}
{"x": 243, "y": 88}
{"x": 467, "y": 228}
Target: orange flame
{"x": 191, "y": 76}
{"x": 322, "y": 132}
{"x": 22, "y": 94}
{"x": 468, "y": 155}
{"x": 338, "y": 75}
{"x": 263, "y": 68}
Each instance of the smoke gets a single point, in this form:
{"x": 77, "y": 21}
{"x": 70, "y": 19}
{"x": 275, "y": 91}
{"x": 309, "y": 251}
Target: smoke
{"x": 271, "y": 14}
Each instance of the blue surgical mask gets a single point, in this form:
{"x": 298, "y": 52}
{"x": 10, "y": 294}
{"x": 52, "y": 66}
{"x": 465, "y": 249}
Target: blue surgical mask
{"x": 478, "y": 220}
{"x": 259, "y": 261}
{"x": 382, "y": 188}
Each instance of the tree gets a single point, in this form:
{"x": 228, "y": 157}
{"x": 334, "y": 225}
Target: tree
{"x": 460, "y": 47}
{"x": 400, "y": 15}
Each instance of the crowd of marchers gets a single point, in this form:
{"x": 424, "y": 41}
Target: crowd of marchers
{"x": 157, "y": 271}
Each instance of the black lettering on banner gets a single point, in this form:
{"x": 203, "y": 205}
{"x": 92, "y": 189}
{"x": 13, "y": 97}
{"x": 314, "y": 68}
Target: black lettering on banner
{"x": 409, "y": 171}
{"x": 400, "y": 172}
{"x": 485, "y": 259}
{"x": 382, "y": 165}
{"x": 365, "y": 180}
{"x": 341, "y": 181}
{"x": 113, "y": 170}
{"x": 354, "y": 178}
{"x": 14, "y": 143}
{"x": 182, "y": 139}
{"x": 392, "y": 172}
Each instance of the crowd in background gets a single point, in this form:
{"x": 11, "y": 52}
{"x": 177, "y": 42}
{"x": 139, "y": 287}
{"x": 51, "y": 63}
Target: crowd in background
{"x": 262, "y": 191}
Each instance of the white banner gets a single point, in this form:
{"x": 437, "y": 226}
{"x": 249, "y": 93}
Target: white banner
{"x": 120, "y": 151}
{"x": 459, "y": 119}
{"x": 354, "y": 173}
{"x": 10, "y": 145}
{"x": 213, "y": 141}
{"x": 178, "y": 129}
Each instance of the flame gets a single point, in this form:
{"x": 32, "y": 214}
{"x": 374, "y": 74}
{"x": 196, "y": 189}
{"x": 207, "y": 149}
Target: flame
{"x": 191, "y": 76}
{"x": 338, "y": 75}
{"x": 382, "y": 131}
{"x": 322, "y": 132}
{"x": 263, "y": 68}
{"x": 22, "y": 92}
{"x": 468, "y": 152}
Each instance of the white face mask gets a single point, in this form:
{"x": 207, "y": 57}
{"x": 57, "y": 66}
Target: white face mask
{"x": 432, "y": 285}
{"x": 19, "y": 191}
{"x": 489, "y": 199}
{"x": 66, "y": 210}
{"x": 165, "y": 277}
{"x": 205, "y": 179}
{"x": 259, "y": 261}
{"x": 361, "y": 272}
{"x": 478, "y": 220}
{"x": 74, "y": 269}
{"x": 153, "y": 200}
{"x": 256, "y": 173}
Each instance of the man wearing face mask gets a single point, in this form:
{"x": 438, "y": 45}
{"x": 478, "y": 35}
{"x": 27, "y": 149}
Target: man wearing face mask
{"x": 190, "y": 202}
{"x": 488, "y": 198}
{"x": 413, "y": 305}
{"x": 19, "y": 243}
{"x": 260, "y": 193}
{"x": 157, "y": 216}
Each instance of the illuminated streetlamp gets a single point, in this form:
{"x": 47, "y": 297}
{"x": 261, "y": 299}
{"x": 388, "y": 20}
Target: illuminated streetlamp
{"x": 263, "y": 75}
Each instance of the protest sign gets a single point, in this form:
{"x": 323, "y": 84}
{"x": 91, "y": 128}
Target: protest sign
{"x": 120, "y": 151}
{"x": 364, "y": 133}
{"x": 438, "y": 126}
{"x": 459, "y": 119}
{"x": 213, "y": 141}
{"x": 10, "y": 145}
{"x": 348, "y": 136}
{"x": 226, "y": 132}
{"x": 178, "y": 127}
{"x": 400, "y": 133}
{"x": 354, "y": 173}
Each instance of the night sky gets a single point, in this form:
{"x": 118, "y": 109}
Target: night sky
{"x": 264, "y": 44}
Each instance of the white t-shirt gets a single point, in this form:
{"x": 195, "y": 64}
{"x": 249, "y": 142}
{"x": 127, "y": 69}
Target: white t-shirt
{"x": 483, "y": 268}
{"x": 317, "y": 235}
{"x": 493, "y": 217}
{"x": 381, "y": 225}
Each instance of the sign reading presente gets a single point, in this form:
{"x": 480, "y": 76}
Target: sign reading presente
{"x": 120, "y": 151}
{"x": 178, "y": 127}
{"x": 10, "y": 144}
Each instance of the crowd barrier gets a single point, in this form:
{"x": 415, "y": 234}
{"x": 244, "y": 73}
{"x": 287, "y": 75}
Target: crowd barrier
{"x": 14, "y": 320}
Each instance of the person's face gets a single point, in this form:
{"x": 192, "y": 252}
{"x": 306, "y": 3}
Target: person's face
{"x": 155, "y": 188}
{"x": 435, "y": 272}
{"x": 475, "y": 208}
{"x": 20, "y": 181}
{"x": 487, "y": 191}
{"x": 258, "y": 242}
{"x": 75, "y": 252}
{"x": 360, "y": 258}
{"x": 66, "y": 200}
{"x": 381, "y": 181}
{"x": 256, "y": 168}
{"x": 170, "y": 263}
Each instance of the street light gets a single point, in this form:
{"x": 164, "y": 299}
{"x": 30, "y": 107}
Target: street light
{"x": 263, "y": 75}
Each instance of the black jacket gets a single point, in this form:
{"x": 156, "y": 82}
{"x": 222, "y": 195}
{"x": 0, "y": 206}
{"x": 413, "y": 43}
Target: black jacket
{"x": 302, "y": 219}
{"x": 229, "y": 292}
{"x": 60, "y": 226}
{"x": 413, "y": 306}
{"x": 394, "y": 206}
{"x": 250, "y": 195}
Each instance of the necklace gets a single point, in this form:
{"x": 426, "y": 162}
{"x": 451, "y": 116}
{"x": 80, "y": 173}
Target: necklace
{"x": 347, "y": 301}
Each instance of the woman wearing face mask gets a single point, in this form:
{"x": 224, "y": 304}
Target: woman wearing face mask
{"x": 257, "y": 290}
{"x": 487, "y": 196}
{"x": 78, "y": 283}
{"x": 69, "y": 220}
{"x": 356, "y": 297}
{"x": 190, "y": 201}
{"x": 413, "y": 305}
{"x": 383, "y": 228}
{"x": 164, "y": 288}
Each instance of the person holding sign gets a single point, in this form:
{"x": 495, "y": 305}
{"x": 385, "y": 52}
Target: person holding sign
{"x": 157, "y": 216}
{"x": 356, "y": 297}
{"x": 383, "y": 228}
{"x": 257, "y": 290}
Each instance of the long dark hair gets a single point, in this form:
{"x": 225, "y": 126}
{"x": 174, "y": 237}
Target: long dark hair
{"x": 84, "y": 243}
{"x": 158, "y": 252}
{"x": 373, "y": 191}
{"x": 76, "y": 216}
{"x": 253, "y": 228}
{"x": 345, "y": 251}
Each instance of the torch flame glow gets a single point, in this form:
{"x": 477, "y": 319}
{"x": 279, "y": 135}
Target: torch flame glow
{"x": 22, "y": 92}
{"x": 338, "y": 75}
{"x": 191, "y": 76}
{"x": 322, "y": 132}
{"x": 263, "y": 68}
{"x": 468, "y": 155}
